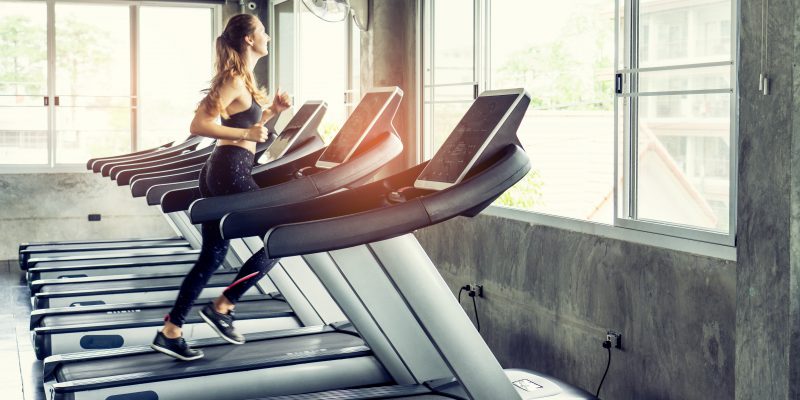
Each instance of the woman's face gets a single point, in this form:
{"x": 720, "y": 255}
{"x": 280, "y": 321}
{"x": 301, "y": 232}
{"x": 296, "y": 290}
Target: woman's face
{"x": 260, "y": 40}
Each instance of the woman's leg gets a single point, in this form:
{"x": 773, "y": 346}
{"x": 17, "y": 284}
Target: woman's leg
{"x": 252, "y": 271}
{"x": 220, "y": 314}
{"x": 212, "y": 254}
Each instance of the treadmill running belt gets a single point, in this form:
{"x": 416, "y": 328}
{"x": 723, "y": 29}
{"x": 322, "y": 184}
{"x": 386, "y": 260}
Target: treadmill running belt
{"x": 120, "y": 261}
{"x": 218, "y": 279}
{"x": 244, "y": 310}
{"x": 218, "y": 357}
{"x": 141, "y": 257}
{"x": 104, "y": 246}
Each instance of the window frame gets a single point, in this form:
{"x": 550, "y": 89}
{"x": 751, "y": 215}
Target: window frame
{"x": 654, "y": 233}
{"x": 135, "y": 134}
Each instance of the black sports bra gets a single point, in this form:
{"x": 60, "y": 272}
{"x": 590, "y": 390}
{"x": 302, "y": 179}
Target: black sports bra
{"x": 246, "y": 118}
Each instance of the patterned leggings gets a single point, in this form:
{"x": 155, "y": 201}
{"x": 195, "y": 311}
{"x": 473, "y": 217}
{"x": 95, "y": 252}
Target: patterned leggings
{"x": 227, "y": 171}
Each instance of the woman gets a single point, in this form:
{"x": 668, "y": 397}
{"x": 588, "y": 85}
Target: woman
{"x": 233, "y": 96}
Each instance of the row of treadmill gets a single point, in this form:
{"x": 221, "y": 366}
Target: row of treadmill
{"x": 354, "y": 309}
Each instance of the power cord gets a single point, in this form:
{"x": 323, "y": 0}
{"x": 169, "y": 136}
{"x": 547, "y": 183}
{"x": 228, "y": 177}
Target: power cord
{"x": 607, "y": 346}
{"x": 475, "y": 308}
{"x": 472, "y": 291}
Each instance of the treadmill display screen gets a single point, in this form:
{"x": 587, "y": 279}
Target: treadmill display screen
{"x": 278, "y": 148}
{"x": 467, "y": 138}
{"x": 355, "y": 128}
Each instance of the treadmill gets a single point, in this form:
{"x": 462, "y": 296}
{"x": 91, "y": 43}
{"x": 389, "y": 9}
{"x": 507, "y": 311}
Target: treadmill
{"x": 297, "y": 140}
{"x": 418, "y": 337}
{"x": 189, "y": 156}
{"x": 75, "y": 254}
{"x": 299, "y": 299}
{"x": 25, "y": 249}
{"x": 109, "y": 275}
{"x": 364, "y": 144}
{"x": 101, "y": 326}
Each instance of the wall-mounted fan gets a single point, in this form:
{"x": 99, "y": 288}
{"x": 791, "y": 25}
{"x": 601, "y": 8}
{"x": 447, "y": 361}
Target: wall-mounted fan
{"x": 338, "y": 10}
{"x": 329, "y": 10}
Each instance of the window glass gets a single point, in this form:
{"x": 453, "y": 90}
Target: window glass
{"x": 173, "y": 70}
{"x": 23, "y": 83}
{"x": 565, "y": 61}
{"x": 322, "y": 68}
{"x": 93, "y": 81}
{"x": 683, "y": 136}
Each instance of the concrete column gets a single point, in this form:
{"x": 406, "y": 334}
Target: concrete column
{"x": 388, "y": 58}
{"x": 767, "y": 246}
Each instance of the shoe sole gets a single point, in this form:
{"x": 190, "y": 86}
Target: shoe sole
{"x": 174, "y": 354}
{"x": 219, "y": 332}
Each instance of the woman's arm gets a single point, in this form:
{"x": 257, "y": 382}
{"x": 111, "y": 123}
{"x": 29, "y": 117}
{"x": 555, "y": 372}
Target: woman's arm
{"x": 205, "y": 123}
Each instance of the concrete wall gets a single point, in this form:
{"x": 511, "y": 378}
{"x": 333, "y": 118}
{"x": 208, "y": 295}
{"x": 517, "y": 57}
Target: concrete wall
{"x": 45, "y": 207}
{"x": 767, "y": 335}
{"x": 551, "y": 294}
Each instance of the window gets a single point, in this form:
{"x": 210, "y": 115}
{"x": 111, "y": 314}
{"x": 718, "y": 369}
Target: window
{"x": 173, "y": 71}
{"x": 677, "y": 107}
{"x": 313, "y": 60}
{"x": 70, "y": 83}
{"x": 657, "y": 157}
{"x": 23, "y": 83}
{"x": 93, "y": 81}
{"x": 564, "y": 60}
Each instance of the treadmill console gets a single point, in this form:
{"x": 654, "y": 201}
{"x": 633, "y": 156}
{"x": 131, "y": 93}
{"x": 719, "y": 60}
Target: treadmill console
{"x": 355, "y": 129}
{"x": 290, "y": 133}
{"x": 462, "y": 148}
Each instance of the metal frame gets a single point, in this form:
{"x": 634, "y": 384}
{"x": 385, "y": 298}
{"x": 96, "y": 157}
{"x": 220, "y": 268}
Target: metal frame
{"x": 625, "y": 226}
{"x": 135, "y": 135}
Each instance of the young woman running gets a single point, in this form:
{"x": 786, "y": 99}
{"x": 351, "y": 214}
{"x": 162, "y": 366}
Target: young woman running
{"x": 233, "y": 96}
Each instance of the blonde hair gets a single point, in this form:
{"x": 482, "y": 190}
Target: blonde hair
{"x": 230, "y": 64}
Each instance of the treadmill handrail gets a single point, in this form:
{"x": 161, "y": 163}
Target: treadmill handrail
{"x": 117, "y": 169}
{"x": 194, "y": 159}
{"x": 156, "y": 193}
{"x": 189, "y": 144}
{"x": 394, "y": 220}
{"x": 140, "y": 187}
{"x": 124, "y": 176}
{"x": 382, "y": 150}
{"x": 256, "y": 222}
{"x": 158, "y": 174}
{"x": 181, "y": 198}
{"x": 91, "y": 161}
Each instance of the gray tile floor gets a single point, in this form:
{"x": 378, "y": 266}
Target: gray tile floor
{"x": 20, "y": 371}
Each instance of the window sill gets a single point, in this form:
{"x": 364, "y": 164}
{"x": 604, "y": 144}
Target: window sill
{"x": 618, "y": 233}
{"x": 42, "y": 169}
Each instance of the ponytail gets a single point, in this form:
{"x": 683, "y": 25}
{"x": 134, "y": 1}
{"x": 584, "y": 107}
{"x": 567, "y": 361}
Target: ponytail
{"x": 230, "y": 64}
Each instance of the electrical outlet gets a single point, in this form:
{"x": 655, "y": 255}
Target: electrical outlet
{"x": 475, "y": 290}
{"x": 615, "y": 338}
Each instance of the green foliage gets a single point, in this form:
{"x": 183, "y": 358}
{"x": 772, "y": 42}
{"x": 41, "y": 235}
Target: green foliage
{"x": 24, "y": 53}
{"x": 329, "y": 130}
{"x": 572, "y": 73}
{"x": 85, "y": 55}
{"x": 525, "y": 194}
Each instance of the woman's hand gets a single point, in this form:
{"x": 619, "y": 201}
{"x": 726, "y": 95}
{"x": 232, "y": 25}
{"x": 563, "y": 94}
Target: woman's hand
{"x": 258, "y": 133}
{"x": 280, "y": 102}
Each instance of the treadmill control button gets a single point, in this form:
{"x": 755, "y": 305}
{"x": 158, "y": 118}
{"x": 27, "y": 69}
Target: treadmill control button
{"x": 528, "y": 385}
